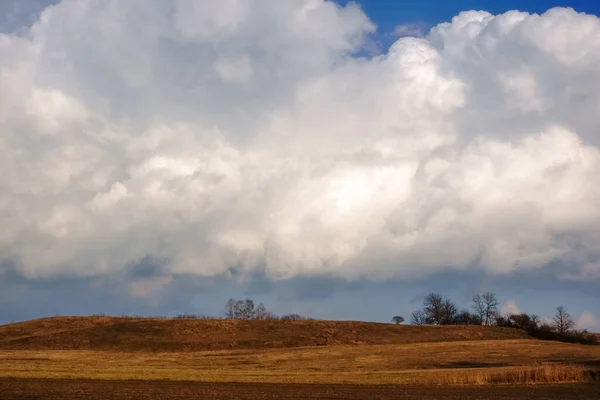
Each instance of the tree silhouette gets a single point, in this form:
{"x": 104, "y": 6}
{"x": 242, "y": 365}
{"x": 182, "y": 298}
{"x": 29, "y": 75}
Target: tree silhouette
{"x": 563, "y": 322}
{"x": 485, "y": 306}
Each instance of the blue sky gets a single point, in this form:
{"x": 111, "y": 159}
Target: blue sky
{"x": 388, "y": 14}
{"x": 425, "y": 14}
{"x": 160, "y": 162}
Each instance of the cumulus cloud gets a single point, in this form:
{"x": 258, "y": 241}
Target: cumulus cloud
{"x": 510, "y": 308}
{"x": 588, "y": 321}
{"x": 247, "y": 136}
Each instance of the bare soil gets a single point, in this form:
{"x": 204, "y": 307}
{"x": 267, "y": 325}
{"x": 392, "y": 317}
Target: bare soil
{"x": 36, "y": 389}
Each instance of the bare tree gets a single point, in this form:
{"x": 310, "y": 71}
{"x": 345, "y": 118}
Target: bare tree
{"x": 433, "y": 306}
{"x": 563, "y": 322}
{"x": 449, "y": 312}
{"x": 262, "y": 313}
{"x": 479, "y": 307}
{"x": 239, "y": 309}
{"x": 491, "y": 307}
{"x": 398, "y": 319}
{"x": 438, "y": 310}
{"x": 245, "y": 309}
{"x": 230, "y": 309}
{"x": 419, "y": 318}
{"x": 485, "y": 306}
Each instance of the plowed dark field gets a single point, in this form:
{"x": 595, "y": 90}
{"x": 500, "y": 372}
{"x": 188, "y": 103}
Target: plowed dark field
{"x": 36, "y": 389}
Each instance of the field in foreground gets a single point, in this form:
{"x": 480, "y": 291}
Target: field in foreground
{"x": 153, "y": 390}
{"x": 459, "y": 362}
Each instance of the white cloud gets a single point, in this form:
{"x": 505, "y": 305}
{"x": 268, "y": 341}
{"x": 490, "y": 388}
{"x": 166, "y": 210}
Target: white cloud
{"x": 413, "y": 30}
{"x": 246, "y": 134}
{"x": 510, "y": 308}
{"x": 588, "y": 321}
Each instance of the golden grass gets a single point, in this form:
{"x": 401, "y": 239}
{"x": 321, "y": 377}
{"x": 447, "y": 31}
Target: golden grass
{"x": 554, "y": 373}
{"x": 542, "y": 374}
{"x": 451, "y": 363}
{"x": 164, "y": 335}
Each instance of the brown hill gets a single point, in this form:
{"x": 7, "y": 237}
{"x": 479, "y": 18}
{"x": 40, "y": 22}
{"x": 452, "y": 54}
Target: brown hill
{"x": 170, "y": 335}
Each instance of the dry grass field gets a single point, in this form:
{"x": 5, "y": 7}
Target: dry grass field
{"x": 464, "y": 362}
{"x": 167, "y": 335}
{"x": 321, "y": 353}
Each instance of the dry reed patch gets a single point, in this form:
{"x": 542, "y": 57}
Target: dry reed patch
{"x": 541, "y": 374}
{"x": 552, "y": 373}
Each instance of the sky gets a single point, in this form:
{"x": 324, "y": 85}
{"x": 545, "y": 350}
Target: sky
{"x": 336, "y": 160}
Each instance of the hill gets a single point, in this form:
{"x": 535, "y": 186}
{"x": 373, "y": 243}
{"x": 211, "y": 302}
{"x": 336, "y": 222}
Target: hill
{"x": 173, "y": 335}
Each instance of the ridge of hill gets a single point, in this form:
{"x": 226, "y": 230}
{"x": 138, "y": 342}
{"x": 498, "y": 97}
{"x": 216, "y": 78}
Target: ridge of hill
{"x": 179, "y": 335}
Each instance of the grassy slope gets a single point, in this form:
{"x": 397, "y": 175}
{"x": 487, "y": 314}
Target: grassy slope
{"x": 165, "y": 335}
